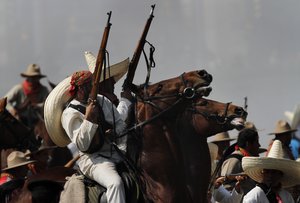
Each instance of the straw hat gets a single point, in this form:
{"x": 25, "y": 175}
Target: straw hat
{"x": 253, "y": 166}
{"x": 282, "y": 127}
{"x": 59, "y": 97}
{"x": 223, "y": 136}
{"x": 33, "y": 70}
{"x": 116, "y": 71}
{"x": 16, "y": 159}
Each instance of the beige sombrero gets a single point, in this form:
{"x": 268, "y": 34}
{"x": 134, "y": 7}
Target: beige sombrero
{"x": 116, "y": 71}
{"x": 253, "y": 166}
{"x": 16, "y": 159}
{"x": 33, "y": 70}
{"x": 221, "y": 137}
{"x": 281, "y": 127}
{"x": 59, "y": 97}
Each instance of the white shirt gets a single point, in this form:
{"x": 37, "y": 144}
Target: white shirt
{"x": 222, "y": 195}
{"x": 82, "y": 131}
{"x": 257, "y": 195}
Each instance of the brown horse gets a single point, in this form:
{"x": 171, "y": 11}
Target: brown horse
{"x": 174, "y": 158}
{"x": 14, "y": 134}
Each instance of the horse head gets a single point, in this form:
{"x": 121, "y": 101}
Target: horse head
{"x": 210, "y": 117}
{"x": 168, "y": 93}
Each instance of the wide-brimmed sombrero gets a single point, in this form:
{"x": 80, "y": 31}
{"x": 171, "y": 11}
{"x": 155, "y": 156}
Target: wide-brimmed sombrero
{"x": 59, "y": 97}
{"x": 221, "y": 137}
{"x": 16, "y": 159}
{"x": 33, "y": 70}
{"x": 281, "y": 127}
{"x": 116, "y": 71}
{"x": 253, "y": 166}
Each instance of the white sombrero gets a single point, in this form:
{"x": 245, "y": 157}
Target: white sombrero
{"x": 253, "y": 166}
{"x": 116, "y": 71}
{"x": 59, "y": 97}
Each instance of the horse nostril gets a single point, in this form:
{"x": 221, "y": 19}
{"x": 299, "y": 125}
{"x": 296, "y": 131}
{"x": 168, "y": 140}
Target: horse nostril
{"x": 205, "y": 75}
{"x": 239, "y": 111}
{"x": 209, "y": 78}
{"x": 202, "y": 73}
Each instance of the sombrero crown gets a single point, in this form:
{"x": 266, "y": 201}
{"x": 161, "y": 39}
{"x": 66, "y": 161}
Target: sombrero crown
{"x": 253, "y": 166}
{"x": 16, "y": 159}
{"x": 116, "y": 71}
{"x": 59, "y": 97}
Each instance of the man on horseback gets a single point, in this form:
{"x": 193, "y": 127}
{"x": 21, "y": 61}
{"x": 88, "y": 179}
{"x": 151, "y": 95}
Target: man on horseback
{"x": 25, "y": 101}
{"x": 84, "y": 122}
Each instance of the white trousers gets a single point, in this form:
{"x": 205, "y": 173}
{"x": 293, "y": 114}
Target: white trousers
{"x": 105, "y": 174}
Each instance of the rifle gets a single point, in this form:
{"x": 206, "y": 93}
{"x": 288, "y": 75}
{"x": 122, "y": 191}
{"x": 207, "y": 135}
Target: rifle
{"x": 136, "y": 56}
{"x": 245, "y": 103}
{"x": 98, "y": 140}
{"x": 99, "y": 62}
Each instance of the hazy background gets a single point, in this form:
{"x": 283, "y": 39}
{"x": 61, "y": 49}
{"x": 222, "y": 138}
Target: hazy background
{"x": 251, "y": 47}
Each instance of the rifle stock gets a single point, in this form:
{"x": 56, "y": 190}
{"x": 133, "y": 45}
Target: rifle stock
{"x": 99, "y": 61}
{"x": 136, "y": 56}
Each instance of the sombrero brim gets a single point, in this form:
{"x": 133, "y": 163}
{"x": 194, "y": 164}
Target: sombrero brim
{"x": 26, "y": 75}
{"x": 222, "y": 140}
{"x": 117, "y": 71}
{"x": 18, "y": 165}
{"x": 253, "y": 166}
{"x": 53, "y": 108}
{"x": 278, "y": 133}
{"x": 59, "y": 97}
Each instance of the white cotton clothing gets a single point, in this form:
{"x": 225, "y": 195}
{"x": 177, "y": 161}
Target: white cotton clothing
{"x": 257, "y": 195}
{"x": 221, "y": 195}
{"x": 100, "y": 165}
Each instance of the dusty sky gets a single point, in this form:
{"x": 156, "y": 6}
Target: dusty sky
{"x": 251, "y": 47}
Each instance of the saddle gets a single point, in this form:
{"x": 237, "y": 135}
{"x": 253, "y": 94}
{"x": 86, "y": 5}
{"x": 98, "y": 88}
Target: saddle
{"x": 94, "y": 192}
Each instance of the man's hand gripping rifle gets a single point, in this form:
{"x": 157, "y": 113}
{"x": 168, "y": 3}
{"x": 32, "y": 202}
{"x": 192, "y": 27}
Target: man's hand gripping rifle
{"x": 97, "y": 115}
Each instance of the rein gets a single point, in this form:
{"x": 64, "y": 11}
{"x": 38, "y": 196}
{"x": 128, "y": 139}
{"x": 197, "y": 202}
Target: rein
{"x": 220, "y": 119}
{"x": 188, "y": 93}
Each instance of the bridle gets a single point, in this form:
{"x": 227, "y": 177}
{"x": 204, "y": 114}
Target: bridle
{"x": 188, "y": 94}
{"x": 220, "y": 119}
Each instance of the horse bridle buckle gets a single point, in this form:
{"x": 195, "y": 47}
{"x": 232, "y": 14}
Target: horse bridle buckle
{"x": 189, "y": 92}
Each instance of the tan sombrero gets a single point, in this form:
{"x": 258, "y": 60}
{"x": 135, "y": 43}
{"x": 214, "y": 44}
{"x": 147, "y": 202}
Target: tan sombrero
{"x": 282, "y": 126}
{"x": 116, "y": 71}
{"x": 221, "y": 137}
{"x": 59, "y": 97}
{"x": 253, "y": 166}
{"x": 16, "y": 159}
{"x": 33, "y": 70}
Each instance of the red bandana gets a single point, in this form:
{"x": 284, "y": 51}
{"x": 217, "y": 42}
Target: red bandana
{"x": 78, "y": 78}
{"x": 243, "y": 151}
{"x": 31, "y": 88}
